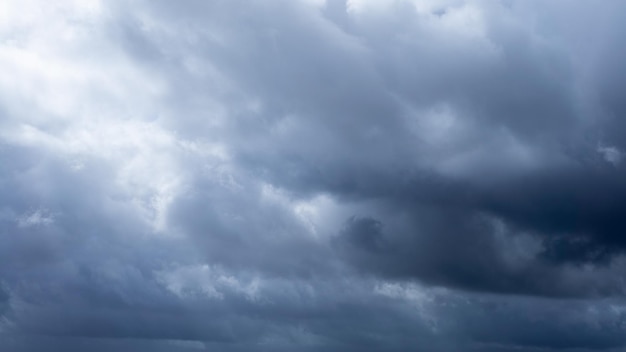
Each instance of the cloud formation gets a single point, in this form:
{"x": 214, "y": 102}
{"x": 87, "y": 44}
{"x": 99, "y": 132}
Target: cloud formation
{"x": 314, "y": 175}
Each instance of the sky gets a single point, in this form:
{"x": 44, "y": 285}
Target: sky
{"x": 312, "y": 175}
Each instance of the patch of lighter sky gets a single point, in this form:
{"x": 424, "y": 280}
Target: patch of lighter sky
{"x": 206, "y": 281}
{"x": 611, "y": 155}
{"x": 37, "y": 217}
{"x": 320, "y": 215}
{"x": 421, "y": 299}
{"x": 61, "y": 97}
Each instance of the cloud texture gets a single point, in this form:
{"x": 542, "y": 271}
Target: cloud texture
{"x": 312, "y": 175}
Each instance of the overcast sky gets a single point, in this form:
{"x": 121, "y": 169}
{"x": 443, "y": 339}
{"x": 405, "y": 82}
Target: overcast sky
{"x": 312, "y": 175}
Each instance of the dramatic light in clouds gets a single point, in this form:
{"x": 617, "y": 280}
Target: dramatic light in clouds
{"x": 314, "y": 175}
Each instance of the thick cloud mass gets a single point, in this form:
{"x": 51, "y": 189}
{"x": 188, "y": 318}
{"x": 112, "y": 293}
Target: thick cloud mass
{"x": 312, "y": 175}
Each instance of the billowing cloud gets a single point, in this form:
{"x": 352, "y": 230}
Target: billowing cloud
{"x": 312, "y": 175}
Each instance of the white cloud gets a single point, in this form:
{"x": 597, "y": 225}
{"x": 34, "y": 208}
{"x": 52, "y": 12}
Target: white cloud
{"x": 39, "y": 217}
{"x": 611, "y": 154}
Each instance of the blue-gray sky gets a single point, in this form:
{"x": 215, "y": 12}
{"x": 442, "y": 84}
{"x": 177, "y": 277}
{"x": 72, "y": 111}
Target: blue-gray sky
{"x": 312, "y": 175}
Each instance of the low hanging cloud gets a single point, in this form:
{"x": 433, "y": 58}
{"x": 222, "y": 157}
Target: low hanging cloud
{"x": 312, "y": 175}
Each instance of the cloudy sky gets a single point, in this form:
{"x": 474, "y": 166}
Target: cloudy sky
{"x": 312, "y": 175}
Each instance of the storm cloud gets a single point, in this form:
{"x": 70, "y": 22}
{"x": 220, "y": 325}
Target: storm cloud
{"x": 312, "y": 175}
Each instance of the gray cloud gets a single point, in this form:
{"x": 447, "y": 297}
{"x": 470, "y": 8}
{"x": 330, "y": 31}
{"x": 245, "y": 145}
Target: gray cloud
{"x": 311, "y": 175}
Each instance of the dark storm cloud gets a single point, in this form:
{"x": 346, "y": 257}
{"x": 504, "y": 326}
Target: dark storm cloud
{"x": 437, "y": 116}
{"x": 484, "y": 257}
{"x": 309, "y": 175}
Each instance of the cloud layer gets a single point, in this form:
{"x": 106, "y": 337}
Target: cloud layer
{"x": 312, "y": 175}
